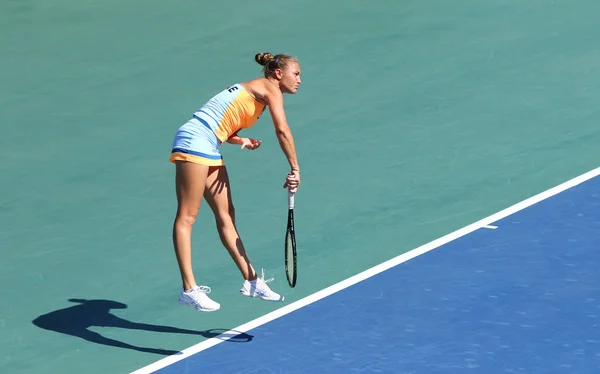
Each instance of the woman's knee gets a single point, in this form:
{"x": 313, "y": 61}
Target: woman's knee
{"x": 185, "y": 219}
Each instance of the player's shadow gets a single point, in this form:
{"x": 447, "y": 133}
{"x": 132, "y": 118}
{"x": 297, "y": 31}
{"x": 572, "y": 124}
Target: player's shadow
{"x": 76, "y": 321}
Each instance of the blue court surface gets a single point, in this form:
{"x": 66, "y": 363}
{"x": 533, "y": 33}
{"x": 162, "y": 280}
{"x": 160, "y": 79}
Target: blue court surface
{"x": 518, "y": 292}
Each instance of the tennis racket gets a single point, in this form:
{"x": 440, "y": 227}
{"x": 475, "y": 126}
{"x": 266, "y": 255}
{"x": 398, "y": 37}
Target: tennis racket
{"x": 290, "y": 244}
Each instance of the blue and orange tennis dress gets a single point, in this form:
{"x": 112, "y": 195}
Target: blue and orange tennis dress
{"x": 200, "y": 139}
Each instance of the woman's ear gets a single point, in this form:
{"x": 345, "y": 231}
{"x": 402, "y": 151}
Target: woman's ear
{"x": 278, "y": 73}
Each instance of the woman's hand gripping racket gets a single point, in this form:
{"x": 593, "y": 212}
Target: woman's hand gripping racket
{"x": 290, "y": 244}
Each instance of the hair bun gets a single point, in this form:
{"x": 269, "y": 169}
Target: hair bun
{"x": 263, "y": 58}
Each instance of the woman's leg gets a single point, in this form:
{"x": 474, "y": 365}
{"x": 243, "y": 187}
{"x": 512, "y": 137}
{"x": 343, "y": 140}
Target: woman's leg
{"x": 218, "y": 196}
{"x": 190, "y": 181}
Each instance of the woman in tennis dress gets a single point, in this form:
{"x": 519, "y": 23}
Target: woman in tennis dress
{"x": 201, "y": 172}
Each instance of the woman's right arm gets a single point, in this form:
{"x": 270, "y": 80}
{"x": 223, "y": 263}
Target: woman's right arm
{"x": 274, "y": 99}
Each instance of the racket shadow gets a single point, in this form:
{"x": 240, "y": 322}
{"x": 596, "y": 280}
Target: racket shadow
{"x": 77, "y": 320}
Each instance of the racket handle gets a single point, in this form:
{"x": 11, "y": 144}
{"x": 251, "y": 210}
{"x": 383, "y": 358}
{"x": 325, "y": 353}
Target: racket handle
{"x": 290, "y": 200}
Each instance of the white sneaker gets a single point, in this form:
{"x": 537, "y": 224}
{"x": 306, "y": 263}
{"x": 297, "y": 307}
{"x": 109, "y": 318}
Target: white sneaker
{"x": 259, "y": 288}
{"x": 197, "y": 298}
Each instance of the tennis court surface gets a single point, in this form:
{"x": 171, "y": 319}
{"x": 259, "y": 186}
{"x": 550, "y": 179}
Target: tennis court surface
{"x": 515, "y": 293}
{"x": 415, "y": 120}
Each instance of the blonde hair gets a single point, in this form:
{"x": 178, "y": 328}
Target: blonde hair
{"x": 270, "y": 63}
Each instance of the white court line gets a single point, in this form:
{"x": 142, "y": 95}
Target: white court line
{"x": 366, "y": 274}
{"x": 490, "y": 227}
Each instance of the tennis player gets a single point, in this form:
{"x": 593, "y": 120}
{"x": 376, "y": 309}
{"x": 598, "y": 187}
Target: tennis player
{"x": 200, "y": 169}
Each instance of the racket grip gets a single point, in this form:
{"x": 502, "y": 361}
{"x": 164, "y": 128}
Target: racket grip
{"x": 290, "y": 200}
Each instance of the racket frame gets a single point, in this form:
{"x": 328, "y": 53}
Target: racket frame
{"x": 290, "y": 233}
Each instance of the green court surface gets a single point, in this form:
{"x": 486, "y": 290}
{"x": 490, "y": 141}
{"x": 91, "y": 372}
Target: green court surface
{"x": 415, "y": 118}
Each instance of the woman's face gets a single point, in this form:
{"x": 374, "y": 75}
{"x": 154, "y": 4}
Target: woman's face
{"x": 290, "y": 78}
